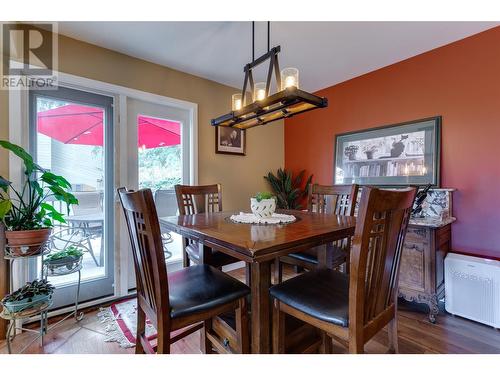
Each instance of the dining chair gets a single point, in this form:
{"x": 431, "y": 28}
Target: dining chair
{"x": 195, "y": 200}
{"x": 336, "y": 199}
{"x": 353, "y": 308}
{"x": 166, "y": 205}
{"x": 184, "y": 300}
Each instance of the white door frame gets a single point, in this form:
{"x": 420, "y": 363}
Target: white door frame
{"x": 19, "y": 134}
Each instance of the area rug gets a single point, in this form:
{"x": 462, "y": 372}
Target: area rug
{"x": 120, "y": 320}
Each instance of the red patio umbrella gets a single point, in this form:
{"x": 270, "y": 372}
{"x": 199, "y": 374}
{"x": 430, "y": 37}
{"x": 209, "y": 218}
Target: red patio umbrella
{"x": 82, "y": 125}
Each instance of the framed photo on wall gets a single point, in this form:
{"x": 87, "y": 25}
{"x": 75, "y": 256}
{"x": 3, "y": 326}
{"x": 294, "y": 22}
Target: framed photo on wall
{"x": 393, "y": 155}
{"x": 229, "y": 140}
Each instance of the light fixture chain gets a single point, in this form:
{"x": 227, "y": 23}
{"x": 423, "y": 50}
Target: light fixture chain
{"x": 268, "y": 35}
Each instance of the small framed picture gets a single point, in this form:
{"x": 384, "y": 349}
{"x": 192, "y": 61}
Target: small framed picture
{"x": 229, "y": 140}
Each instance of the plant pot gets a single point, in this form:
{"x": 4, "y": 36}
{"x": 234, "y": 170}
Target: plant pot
{"x": 369, "y": 154}
{"x": 26, "y": 303}
{"x": 264, "y": 208}
{"x": 24, "y": 243}
{"x": 352, "y": 156}
{"x": 63, "y": 265}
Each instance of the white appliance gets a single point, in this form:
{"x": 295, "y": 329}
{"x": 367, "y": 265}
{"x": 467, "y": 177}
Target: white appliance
{"x": 472, "y": 287}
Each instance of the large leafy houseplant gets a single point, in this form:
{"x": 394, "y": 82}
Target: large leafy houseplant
{"x": 288, "y": 189}
{"x": 26, "y": 213}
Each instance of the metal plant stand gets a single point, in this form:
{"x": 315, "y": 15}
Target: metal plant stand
{"x": 36, "y": 309}
{"x": 60, "y": 267}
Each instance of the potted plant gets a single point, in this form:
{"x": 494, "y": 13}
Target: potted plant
{"x": 263, "y": 204}
{"x": 350, "y": 151}
{"x": 27, "y": 216}
{"x": 288, "y": 189}
{"x": 369, "y": 150}
{"x": 33, "y": 293}
{"x": 63, "y": 260}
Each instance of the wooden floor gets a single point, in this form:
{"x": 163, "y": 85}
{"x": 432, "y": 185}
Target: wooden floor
{"x": 416, "y": 335}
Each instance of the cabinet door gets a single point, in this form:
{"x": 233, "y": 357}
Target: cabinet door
{"x": 412, "y": 271}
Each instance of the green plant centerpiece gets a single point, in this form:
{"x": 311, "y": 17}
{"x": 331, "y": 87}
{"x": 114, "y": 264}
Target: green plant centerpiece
{"x": 64, "y": 260}
{"x": 34, "y": 293}
{"x": 288, "y": 189}
{"x": 25, "y": 212}
{"x": 263, "y": 204}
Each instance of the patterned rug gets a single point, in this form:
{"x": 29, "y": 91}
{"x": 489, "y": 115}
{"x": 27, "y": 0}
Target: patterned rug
{"x": 120, "y": 320}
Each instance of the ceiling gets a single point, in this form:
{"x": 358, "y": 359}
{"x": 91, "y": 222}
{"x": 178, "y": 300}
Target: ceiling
{"x": 326, "y": 53}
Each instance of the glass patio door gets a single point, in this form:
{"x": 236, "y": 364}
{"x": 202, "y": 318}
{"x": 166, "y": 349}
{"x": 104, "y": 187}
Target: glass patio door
{"x": 71, "y": 134}
{"x": 159, "y": 141}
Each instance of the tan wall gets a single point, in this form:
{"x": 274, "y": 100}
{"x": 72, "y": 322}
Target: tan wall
{"x": 4, "y": 131}
{"x": 240, "y": 176}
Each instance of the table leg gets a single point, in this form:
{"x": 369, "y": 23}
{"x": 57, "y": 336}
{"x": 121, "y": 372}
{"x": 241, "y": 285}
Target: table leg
{"x": 261, "y": 307}
{"x": 325, "y": 256}
{"x": 205, "y": 254}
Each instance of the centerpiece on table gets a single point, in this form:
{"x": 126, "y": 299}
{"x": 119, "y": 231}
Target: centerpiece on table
{"x": 263, "y": 204}
{"x": 25, "y": 212}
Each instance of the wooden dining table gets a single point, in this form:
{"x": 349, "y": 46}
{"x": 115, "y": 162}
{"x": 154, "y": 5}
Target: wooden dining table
{"x": 259, "y": 245}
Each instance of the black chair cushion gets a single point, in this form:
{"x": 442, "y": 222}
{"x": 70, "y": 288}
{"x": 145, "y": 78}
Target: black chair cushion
{"x": 218, "y": 258}
{"x": 322, "y": 294}
{"x": 305, "y": 257}
{"x": 200, "y": 288}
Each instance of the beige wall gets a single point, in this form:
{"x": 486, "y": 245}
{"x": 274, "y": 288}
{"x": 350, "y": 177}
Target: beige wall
{"x": 4, "y": 131}
{"x": 240, "y": 176}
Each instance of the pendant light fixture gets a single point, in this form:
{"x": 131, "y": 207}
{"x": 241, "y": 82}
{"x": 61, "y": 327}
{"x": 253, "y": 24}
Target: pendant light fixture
{"x": 260, "y": 107}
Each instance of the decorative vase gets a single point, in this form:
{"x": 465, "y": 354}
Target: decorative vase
{"x": 25, "y": 243}
{"x": 397, "y": 149}
{"x": 264, "y": 208}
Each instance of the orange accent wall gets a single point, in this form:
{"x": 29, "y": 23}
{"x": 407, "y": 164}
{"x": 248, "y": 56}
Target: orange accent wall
{"x": 460, "y": 82}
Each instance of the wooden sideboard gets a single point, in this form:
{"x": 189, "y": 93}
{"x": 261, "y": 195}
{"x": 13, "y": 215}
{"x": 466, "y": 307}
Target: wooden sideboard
{"x": 421, "y": 275}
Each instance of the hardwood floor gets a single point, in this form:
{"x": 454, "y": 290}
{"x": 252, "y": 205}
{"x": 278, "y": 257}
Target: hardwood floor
{"x": 416, "y": 335}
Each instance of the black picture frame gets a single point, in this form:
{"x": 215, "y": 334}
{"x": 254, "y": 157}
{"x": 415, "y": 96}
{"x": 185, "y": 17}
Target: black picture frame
{"x": 406, "y": 153}
{"x": 230, "y": 149}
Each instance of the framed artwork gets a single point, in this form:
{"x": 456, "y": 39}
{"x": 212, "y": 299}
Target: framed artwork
{"x": 394, "y": 155}
{"x": 229, "y": 140}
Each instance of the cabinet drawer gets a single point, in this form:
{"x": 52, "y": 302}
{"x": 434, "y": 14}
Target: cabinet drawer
{"x": 411, "y": 272}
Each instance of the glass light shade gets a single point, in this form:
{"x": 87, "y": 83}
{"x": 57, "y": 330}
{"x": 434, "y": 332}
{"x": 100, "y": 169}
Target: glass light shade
{"x": 289, "y": 78}
{"x": 259, "y": 91}
{"x": 236, "y": 102}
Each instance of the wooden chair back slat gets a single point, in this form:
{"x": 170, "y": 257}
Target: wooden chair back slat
{"x": 198, "y": 199}
{"x": 335, "y": 199}
{"x": 147, "y": 249}
{"x": 376, "y": 252}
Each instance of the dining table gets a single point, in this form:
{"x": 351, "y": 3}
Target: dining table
{"x": 259, "y": 245}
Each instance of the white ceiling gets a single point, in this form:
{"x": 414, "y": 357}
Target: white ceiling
{"x": 326, "y": 53}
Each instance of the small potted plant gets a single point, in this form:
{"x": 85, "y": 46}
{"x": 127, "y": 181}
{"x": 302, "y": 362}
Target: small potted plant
{"x": 369, "y": 150}
{"x": 27, "y": 216}
{"x": 34, "y": 293}
{"x": 263, "y": 204}
{"x": 350, "y": 152}
{"x": 63, "y": 260}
